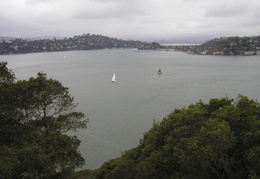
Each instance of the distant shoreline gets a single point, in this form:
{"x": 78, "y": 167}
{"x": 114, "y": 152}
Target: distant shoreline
{"x": 179, "y": 44}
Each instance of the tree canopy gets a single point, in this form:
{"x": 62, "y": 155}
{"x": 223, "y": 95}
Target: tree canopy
{"x": 35, "y": 115}
{"x": 220, "y": 139}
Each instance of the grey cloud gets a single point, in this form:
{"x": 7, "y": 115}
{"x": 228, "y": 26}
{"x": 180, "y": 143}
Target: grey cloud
{"x": 39, "y": 1}
{"x": 131, "y": 18}
{"x": 109, "y": 10}
{"x": 227, "y": 8}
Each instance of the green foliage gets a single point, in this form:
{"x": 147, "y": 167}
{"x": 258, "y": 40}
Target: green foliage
{"x": 215, "y": 140}
{"x": 35, "y": 115}
{"x": 84, "y": 174}
{"x": 6, "y": 75}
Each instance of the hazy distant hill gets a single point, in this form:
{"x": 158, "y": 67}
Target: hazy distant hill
{"x": 43, "y": 37}
{"x": 29, "y": 38}
{"x": 6, "y": 38}
{"x": 187, "y": 40}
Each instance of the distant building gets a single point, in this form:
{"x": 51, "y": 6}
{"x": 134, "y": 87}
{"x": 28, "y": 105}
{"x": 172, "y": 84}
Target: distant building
{"x": 248, "y": 53}
{"x": 204, "y": 52}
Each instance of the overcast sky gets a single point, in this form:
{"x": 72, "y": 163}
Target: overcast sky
{"x": 130, "y": 19}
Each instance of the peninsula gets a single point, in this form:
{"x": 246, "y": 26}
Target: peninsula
{"x": 225, "y": 46}
{"x": 80, "y": 42}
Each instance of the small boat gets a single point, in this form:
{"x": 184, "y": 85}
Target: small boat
{"x": 159, "y": 71}
{"x": 114, "y": 78}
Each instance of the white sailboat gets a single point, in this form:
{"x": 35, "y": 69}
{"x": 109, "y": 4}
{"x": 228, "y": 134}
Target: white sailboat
{"x": 114, "y": 78}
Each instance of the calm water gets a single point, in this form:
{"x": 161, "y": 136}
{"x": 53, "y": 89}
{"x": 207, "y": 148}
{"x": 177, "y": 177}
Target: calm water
{"x": 121, "y": 112}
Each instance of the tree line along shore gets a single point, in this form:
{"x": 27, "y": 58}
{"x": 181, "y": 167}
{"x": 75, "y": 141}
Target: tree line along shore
{"x": 217, "y": 46}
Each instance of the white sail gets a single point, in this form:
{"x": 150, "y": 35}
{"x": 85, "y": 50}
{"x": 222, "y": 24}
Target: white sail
{"x": 114, "y": 78}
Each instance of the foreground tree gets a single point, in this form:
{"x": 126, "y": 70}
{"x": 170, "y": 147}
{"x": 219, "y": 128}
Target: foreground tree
{"x": 220, "y": 139}
{"x": 35, "y": 115}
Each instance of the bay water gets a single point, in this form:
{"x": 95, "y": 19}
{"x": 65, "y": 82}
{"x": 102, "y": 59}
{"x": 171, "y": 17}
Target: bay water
{"x": 120, "y": 113}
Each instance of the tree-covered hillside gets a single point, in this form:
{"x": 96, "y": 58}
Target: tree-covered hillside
{"x": 80, "y": 42}
{"x": 220, "y": 139}
{"x": 226, "y": 46}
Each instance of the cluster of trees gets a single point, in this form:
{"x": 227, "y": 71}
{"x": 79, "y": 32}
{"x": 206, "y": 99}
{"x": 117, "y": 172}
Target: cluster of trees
{"x": 150, "y": 46}
{"x": 35, "y": 115}
{"x": 81, "y": 42}
{"x": 220, "y": 139}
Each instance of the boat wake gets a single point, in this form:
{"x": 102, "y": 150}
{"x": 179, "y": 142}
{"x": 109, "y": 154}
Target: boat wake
{"x": 91, "y": 135}
{"x": 98, "y": 138}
